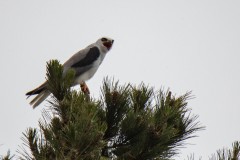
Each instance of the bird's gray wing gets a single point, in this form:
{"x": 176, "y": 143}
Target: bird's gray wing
{"x": 83, "y": 60}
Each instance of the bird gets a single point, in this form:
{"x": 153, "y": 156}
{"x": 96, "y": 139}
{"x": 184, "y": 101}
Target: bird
{"x": 85, "y": 63}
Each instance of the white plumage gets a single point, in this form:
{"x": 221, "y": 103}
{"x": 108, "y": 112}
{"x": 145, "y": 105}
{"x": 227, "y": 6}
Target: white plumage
{"x": 85, "y": 63}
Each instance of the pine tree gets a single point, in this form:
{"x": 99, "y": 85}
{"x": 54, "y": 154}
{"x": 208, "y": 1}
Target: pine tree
{"x": 128, "y": 122}
{"x": 224, "y": 154}
{"x": 228, "y": 154}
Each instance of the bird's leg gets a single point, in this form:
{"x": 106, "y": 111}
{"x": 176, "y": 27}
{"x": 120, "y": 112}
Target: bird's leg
{"x": 84, "y": 88}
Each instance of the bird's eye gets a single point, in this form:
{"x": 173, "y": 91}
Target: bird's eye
{"x": 104, "y": 39}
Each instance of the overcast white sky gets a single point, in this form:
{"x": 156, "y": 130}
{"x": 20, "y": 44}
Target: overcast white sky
{"x": 183, "y": 45}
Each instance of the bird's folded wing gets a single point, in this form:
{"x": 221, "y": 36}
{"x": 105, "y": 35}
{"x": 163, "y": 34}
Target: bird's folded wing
{"x": 83, "y": 60}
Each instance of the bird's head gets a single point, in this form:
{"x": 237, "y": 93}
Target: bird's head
{"x": 105, "y": 43}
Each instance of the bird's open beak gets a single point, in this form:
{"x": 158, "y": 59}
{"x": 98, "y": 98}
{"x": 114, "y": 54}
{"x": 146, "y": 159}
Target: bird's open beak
{"x": 108, "y": 44}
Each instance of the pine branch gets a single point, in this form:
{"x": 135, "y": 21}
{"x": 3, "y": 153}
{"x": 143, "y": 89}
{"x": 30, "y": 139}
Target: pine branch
{"x": 148, "y": 131}
{"x": 228, "y": 154}
{"x": 71, "y": 128}
{"x": 116, "y": 104}
{"x": 224, "y": 154}
{"x": 128, "y": 122}
{"x": 7, "y": 157}
{"x": 59, "y": 81}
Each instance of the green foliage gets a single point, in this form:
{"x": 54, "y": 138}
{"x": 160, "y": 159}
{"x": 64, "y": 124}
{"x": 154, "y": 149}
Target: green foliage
{"x": 228, "y": 154}
{"x": 224, "y": 154}
{"x": 59, "y": 82}
{"x": 128, "y": 122}
{"x": 153, "y": 130}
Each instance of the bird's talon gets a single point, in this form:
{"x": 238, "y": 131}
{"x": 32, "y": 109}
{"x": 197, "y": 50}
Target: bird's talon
{"x": 84, "y": 88}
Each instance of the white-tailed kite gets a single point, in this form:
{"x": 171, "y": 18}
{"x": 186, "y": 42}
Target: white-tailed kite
{"x": 85, "y": 63}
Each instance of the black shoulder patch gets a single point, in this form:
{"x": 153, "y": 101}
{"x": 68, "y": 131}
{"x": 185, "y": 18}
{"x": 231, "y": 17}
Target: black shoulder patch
{"x": 91, "y": 56}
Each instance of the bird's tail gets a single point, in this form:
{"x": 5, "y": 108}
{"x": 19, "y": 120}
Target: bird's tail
{"x": 42, "y": 92}
{"x": 40, "y": 98}
{"x": 37, "y": 90}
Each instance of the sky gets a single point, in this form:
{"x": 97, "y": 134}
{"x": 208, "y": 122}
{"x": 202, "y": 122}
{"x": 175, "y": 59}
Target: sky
{"x": 182, "y": 45}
